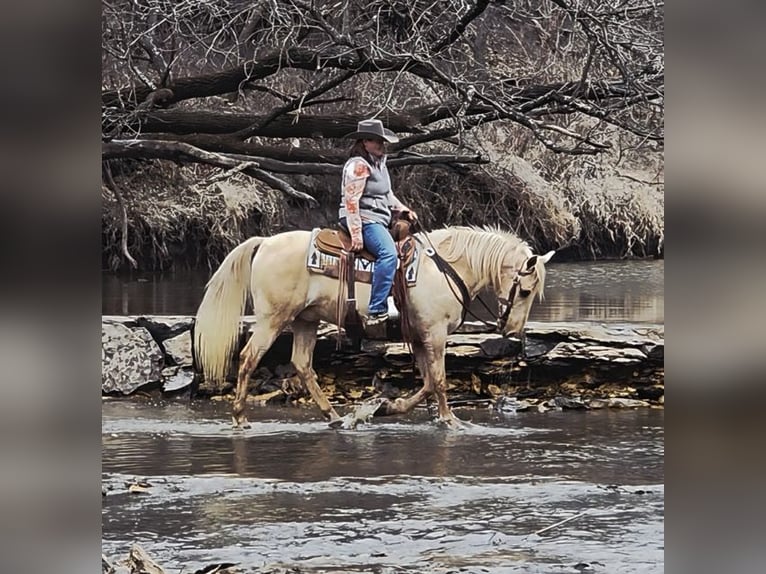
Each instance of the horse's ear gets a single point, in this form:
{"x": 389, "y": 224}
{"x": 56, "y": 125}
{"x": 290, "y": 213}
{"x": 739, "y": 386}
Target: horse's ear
{"x": 547, "y": 257}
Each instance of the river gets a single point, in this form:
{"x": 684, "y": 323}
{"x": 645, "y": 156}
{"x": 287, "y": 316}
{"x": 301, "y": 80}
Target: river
{"x": 396, "y": 495}
{"x": 606, "y": 291}
{"x": 403, "y": 496}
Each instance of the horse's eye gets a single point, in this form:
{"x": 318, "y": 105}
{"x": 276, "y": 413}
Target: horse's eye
{"x": 524, "y": 292}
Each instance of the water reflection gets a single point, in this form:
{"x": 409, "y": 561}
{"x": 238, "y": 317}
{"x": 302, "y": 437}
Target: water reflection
{"x": 610, "y": 291}
{"x": 177, "y": 293}
{"x": 296, "y": 445}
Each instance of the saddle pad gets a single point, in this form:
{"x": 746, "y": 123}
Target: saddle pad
{"x": 320, "y": 262}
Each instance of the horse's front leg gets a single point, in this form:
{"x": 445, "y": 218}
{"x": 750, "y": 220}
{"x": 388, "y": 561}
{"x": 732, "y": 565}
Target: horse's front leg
{"x": 402, "y": 405}
{"x": 439, "y": 373}
{"x": 259, "y": 342}
{"x": 304, "y": 341}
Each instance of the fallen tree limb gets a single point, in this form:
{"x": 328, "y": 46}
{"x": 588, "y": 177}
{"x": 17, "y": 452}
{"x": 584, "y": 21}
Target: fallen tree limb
{"x": 182, "y": 151}
{"x": 179, "y": 151}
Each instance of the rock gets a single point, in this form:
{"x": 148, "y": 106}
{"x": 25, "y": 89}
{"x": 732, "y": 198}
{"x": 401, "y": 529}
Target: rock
{"x": 125, "y": 320}
{"x": 568, "y": 403}
{"x": 464, "y": 351}
{"x": 137, "y": 489}
{"x": 566, "y": 353}
{"x": 652, "y": 393}
{"x": 507, "y": 404}
{"x": 130, "y": 358}
{"x": 179, "y": 349}
{"x": 618, "y": 403}
{"x": 475, "y": 339}
{"x": 612, "y": 334}
{"x": 500, "y": 346}
{"x": 383, "y": 387}
{"x": 284, "y": 371}
{"x": 655, "y": 352}
{"x": 475, "y": 327}
{"x": 590, "y": 354}
{"x": 534, "y": 347}
{"x": 165, "y": 326}
{"x": 176, "y": 379}
{"x": 595, "y": 404}
{"x": 494, "y": 390}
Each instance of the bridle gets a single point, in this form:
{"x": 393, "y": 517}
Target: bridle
{"x": 515, "y": 287}
{"x": 464, "y": 298}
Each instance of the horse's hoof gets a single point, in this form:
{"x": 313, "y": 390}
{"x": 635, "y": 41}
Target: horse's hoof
{"x": 336, "y": 423}
{"x": 453, "y": 423}
{"x": 240, "y": 423}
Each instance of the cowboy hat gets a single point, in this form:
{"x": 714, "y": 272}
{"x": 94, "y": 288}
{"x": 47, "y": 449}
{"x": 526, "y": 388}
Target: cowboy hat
{"x": 367, "y": 129}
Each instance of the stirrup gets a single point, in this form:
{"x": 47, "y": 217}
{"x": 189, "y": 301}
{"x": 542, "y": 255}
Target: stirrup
{"x": 376, "y": 319}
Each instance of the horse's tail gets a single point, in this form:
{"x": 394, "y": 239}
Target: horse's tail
{"x": 216, "y": 328}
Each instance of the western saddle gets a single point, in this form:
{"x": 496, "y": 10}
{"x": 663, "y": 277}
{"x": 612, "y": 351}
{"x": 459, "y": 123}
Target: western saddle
{"x": 337, "y": 242}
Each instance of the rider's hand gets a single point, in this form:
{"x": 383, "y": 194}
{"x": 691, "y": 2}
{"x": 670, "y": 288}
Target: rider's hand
{"x": 412, "y": 217}
{"x": 356, "y": 244}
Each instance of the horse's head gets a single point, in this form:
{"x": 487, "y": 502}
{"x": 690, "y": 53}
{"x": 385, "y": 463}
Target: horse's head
{"x": 518, "y": 287}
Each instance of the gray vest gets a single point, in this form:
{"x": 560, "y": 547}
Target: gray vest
{"x": 374, "y": 204}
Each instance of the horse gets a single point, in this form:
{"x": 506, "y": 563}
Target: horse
{"x": 272, "y": 271}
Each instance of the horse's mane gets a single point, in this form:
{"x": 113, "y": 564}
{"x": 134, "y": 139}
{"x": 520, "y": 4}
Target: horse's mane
{"x": 483, "y": 247}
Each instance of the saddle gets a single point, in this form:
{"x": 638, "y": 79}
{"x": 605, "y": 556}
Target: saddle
{"x": 337, "y": 241}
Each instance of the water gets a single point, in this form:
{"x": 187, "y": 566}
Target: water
{"x": 397, "y": 495}
{"x": 604, "y": 291}
{"x": 400, "y": 494}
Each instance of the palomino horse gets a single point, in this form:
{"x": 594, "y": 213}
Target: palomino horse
{"x": 272, "y": 270}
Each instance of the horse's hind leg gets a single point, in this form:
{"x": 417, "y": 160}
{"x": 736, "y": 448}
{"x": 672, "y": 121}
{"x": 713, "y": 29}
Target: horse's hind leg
{"x": 260, "y": 341}
{"x": 304, "y": 340}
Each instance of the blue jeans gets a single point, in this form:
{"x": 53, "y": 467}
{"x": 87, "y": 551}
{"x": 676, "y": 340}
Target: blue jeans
{"x": 378, "y": 241}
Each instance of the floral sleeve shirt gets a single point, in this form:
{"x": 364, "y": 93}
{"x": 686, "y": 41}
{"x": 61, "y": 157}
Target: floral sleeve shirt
{"x": 354, "y": 179}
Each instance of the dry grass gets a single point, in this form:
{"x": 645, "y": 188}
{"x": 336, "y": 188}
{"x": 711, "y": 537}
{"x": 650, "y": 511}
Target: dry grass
{"x": 178, "y": 217}
{"x": 619, "y": 218}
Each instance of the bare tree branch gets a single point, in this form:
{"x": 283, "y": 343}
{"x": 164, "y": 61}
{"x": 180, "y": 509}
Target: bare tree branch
{"x": 178, "y": 151}
{"x": 432, "y": 69}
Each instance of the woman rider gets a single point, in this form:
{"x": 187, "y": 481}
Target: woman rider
{"x": 368, "y": 207}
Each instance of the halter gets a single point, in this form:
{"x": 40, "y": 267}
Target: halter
{"x": 511, "y": 296}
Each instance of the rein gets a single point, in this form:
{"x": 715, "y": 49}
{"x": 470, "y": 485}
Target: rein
{"x": 464, "y": 298}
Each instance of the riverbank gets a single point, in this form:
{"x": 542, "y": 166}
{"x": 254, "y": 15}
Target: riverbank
{"x": 564, "y": 365}
{"x": 172, "y": 220}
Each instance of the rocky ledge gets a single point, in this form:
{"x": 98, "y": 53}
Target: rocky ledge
{"x": 560, "y": 365}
